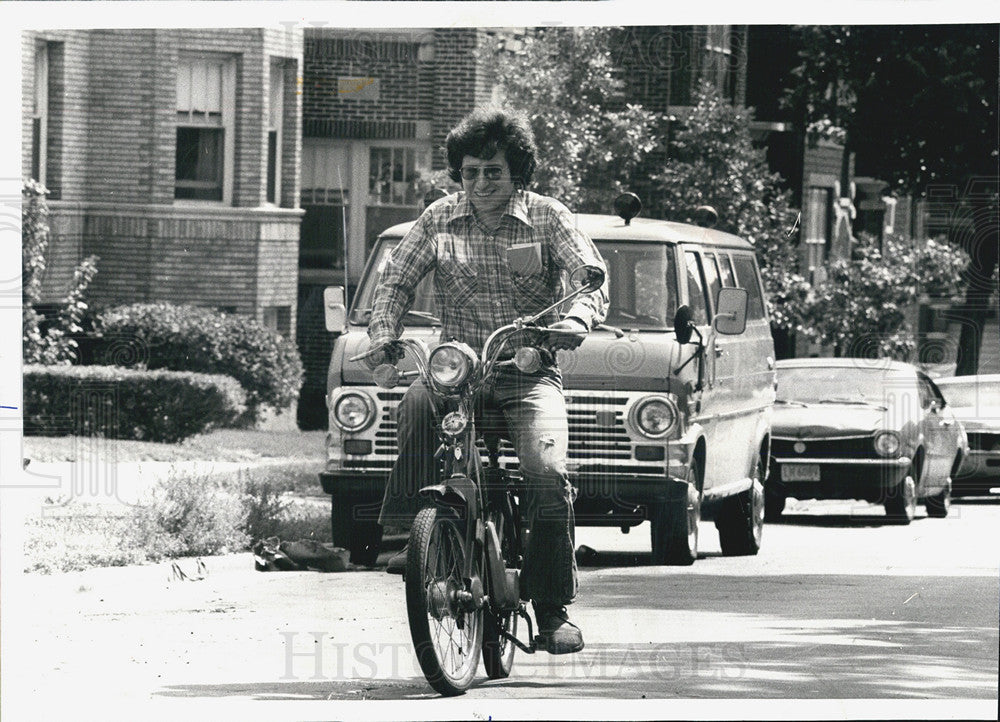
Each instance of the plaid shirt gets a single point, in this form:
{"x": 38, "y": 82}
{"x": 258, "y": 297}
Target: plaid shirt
{"x": 476, "y": 287}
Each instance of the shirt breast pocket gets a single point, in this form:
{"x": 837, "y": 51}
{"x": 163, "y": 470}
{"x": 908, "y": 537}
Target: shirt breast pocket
{"x": 533, "y": 291}
{"x": 458, "y": 280}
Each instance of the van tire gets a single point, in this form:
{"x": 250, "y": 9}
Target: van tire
{"x": 741, "y": 518}
{"x": 774, "y": 504}
{"x": 674, "y": 523}
{"x": 361, "y": 536}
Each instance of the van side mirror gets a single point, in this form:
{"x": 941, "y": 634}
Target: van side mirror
{"x": 334, "y": 309}
{"x": 731, "y": 311}
{"x": 682, "y": 325}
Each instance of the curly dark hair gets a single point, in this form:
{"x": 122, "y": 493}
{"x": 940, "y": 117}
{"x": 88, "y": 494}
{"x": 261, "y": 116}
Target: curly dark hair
{"x": 487, "y": 130}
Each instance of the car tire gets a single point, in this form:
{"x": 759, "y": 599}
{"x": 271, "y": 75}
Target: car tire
{"x": 741, "y": 519}
{"x": 674, "y": 523}
{"x": 774, "y": 503}
{"x": 937, "y": 506}
{"x": 901, "y": 505}
{"x": 362, "y": 537}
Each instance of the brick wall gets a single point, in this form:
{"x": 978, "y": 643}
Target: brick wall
{"x": 112, "y": 142}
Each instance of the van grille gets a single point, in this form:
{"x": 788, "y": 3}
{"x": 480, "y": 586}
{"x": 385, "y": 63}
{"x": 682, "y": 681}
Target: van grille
{"x": 598, "y": 439}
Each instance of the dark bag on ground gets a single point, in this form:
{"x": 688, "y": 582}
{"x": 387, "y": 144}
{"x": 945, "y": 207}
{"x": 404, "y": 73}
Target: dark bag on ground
{"x": 274, "y": 555}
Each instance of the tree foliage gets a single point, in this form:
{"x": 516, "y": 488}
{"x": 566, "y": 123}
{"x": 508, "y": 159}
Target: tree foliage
{"x": 713, "y": 162}
{"x": 590, "y": 141}
{"x": 47, "y": 341}
{"x": 918, "y": 105}
{"x": 861, "y": 307}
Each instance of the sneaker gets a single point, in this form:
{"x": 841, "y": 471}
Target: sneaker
{"x": 556, "y": 634}
{"x": 397, "y": 563}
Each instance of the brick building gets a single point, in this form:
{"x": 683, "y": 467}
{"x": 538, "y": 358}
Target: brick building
{"x": 173, "y": 155}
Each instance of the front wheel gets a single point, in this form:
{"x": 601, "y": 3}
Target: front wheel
{"x": 446, "y": 628}
{"x": 901, "y": 504}
{"x": 741, "y": 518}
{"x": 362, "y": 536}
{"x": 674, "y": 523}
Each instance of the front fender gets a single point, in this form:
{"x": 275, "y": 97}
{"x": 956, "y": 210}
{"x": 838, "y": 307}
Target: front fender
{"x": 458, "y": 493}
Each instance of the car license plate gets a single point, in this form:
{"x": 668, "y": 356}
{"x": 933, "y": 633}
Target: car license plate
{"x": 800, "y": 472}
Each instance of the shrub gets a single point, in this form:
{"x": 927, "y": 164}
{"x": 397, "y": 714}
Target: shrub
{"x": 187, "y": 338}
{"x": 188, "y": 516}
{"x": 264, "y": 502}
{"x": 47, "y": 341}
{"x": 165, "y": 406}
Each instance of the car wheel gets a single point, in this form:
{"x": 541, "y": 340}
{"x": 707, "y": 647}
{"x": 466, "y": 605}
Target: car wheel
{"x": 938, "y": 505}
{"x": 774, "y": 503}
{"x": 741, "y": 519}
{"x": 901, "y": 505}
{"x": 674, "y": 523}
{"x": 362, "y": 537}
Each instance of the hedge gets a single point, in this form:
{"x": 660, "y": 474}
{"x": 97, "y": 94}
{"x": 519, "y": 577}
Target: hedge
{"x": 189, "y": 338}
{"x": 119, "y": 403}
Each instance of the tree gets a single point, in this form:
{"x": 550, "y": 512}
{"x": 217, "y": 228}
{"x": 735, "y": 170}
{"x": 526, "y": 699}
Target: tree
{"x": 590, "y": 141}
{"x": 918, "y": 106}
{"x": 713, "y": 162}
{"x": 47, "y": 342}
{"x": 860, "y": 309}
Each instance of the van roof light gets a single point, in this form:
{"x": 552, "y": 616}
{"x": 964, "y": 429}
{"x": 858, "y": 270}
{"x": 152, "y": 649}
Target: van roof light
{"x": 628, "y": 205}
{"x": 706, "y": 216}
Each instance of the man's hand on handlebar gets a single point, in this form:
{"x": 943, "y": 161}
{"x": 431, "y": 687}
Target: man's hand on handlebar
{"x": 386, "y": 353}
{"x": 566, "y": 334}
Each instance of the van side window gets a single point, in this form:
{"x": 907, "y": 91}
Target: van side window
{"x": 746, "y": 277}
{"x": 712, "y": 275}
{"x": 696, "y": 288}
{"x": 726, "y": 268}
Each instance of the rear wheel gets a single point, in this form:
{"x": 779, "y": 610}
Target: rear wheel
{"x": 901, "y": 505}
{"x": 741, "y": 518}
{"x": 446, "y": 628}
{"x": 938, "y": 505}
{"x": 674, "y": 523}
{"x": 363, "y": 537}
{"x": 498, "y": 651}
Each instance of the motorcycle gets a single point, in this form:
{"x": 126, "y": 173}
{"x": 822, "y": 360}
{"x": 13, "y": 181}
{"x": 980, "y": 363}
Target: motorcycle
{"x": 462, "y": 583}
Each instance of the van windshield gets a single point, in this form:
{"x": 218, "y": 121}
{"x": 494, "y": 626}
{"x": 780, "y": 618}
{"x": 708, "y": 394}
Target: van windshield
{"x": 641, "y": 278}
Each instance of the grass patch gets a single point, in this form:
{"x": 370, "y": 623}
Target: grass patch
{"x": 182, "y": 516}
{"x": 219, "y": 445}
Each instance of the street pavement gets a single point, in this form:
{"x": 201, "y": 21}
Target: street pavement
{"x": 840, "y": 615}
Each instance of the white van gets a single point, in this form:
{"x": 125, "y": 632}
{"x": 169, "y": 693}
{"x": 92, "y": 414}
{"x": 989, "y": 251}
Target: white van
{"x": 669, "y": 403}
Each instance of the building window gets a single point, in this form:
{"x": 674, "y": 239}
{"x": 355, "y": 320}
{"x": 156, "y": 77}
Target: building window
{"x": 205, "y": 132}
{"x": 274, "y": 134}
{"x": 278, "y": 319}
{"x": 721, "y": 64}
{"x": 40, "y": 114}
{"x": 326, "y": 179}
{"x": 392, "y": 175}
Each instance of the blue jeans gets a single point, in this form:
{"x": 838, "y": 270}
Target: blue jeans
{"x": 535, "y": 412}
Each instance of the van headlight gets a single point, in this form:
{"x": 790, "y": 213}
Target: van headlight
{"x": 353, "y": 411}
{"x": 451, "y": 364}
{"x": 655, "y": 416}
{"x": 887, "y": 444}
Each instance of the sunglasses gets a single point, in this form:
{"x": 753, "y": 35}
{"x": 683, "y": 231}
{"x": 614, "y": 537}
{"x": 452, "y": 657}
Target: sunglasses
{"x": 490, "y": 172}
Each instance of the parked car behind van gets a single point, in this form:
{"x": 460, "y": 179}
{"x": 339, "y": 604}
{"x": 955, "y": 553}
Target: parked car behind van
{"x": 669, "y": 403}
{"x": 975, "y": 400}
{"x": 847, "y": 428}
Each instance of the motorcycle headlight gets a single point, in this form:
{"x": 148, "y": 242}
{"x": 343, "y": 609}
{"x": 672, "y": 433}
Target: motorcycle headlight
{"x": 656, "y": 416}
{"x": 887, "y": 444}
{"x": 450, "y": 364}
{"x": 353, "y": 411}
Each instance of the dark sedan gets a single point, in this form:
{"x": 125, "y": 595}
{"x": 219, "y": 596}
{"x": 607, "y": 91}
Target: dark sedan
{"x": 879, "y": 431}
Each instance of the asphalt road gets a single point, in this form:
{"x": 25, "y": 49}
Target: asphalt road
{"x": 845, "y": 615}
